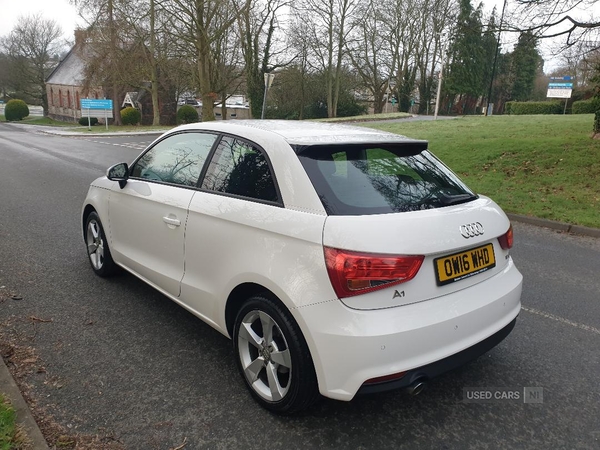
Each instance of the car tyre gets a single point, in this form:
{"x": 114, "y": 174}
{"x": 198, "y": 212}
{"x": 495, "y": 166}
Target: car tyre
{"x": 97, "y": 247}
{"x": 273, "y": 357}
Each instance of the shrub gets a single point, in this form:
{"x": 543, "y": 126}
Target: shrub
{"x": 84, "y": 121}
{"x": 187, "y": 114}
{"x": 16, "y": 110}
{"x": 520, "y": 108}
{"x": 597, "y": 122}
{"x": 131, "y": 116}
{"x": 589, "y": 106}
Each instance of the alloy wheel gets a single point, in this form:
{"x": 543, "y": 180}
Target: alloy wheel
{"x": 265, "y": 356}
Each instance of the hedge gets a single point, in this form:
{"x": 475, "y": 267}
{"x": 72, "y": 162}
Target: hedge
{"x": 589, "y": 106}
{"x": 16, "y": 110}
{"x": 187, "y": 114}
{"x": 520, "y": 108}
{"x": 84, "y": 121}
{"x": 131, "y": 116}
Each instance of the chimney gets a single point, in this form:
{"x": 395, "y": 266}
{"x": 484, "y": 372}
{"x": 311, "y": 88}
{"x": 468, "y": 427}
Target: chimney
{"x": 79, "y": 37}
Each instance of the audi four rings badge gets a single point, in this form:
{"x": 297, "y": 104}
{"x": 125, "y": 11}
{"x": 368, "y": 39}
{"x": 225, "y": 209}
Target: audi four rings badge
{"x": 470, "y": 230}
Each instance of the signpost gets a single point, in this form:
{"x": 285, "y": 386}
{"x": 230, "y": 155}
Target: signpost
{"x": 105, "y": 105}
{"x": 560, "y": 87}
{"x": 268, "y": 82}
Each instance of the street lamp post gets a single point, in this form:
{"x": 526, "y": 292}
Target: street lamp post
{"x": 439, "y": 86}
{"x": 487, "y": 107}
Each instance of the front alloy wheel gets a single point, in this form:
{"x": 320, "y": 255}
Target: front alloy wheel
{"x": 97, "y": 247}
{"x": 273, "y": 357}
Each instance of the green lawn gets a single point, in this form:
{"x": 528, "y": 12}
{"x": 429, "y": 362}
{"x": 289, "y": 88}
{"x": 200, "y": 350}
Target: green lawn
{"x": 543, "y": 166}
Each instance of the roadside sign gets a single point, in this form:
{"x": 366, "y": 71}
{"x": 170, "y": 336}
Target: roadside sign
{"x": 105, "y": 105}
{"x": 560, "y": 85}
{"x": 559, "y": 90}
{"x": 268, "y": 82}
{"x": 90, "y": 103}
{"x": 269, "y": 77}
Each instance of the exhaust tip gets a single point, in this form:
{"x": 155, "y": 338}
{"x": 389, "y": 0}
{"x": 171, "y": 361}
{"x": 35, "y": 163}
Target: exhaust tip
{"x": 417, "y": 387}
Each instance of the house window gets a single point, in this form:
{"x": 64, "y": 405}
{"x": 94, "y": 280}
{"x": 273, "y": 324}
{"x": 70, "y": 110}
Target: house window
{"x": 96, "y": 95}
{"x": 60, "y": 99}
{"x": 68, "y": 99}
{"x": 77, "y": 103}
{"x": 51, "y": 97}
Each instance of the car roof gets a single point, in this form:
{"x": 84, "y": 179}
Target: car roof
{"x": 302, "y": 134}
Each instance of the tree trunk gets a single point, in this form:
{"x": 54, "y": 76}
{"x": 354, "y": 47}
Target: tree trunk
{"x": 153, "y": 68}
{"x": 113, "y": 76}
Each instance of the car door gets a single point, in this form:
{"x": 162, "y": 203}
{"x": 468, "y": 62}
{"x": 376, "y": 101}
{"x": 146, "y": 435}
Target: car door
{"x": 237, "y": 209}
{"x": 148, "y": 216}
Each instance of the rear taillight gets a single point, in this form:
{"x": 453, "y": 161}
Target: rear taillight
{"x": 506, "y": 240}
{"x": 353, "y": 273}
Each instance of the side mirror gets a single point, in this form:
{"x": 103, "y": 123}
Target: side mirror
{"x": 118, "y": 172}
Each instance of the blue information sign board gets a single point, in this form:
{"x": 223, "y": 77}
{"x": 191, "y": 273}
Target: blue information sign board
{"x": 90, "y": 103}
{"x": 561, "y": 85}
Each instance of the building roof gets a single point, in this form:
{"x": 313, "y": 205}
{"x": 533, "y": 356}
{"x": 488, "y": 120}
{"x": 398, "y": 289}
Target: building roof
{"x": 69, "y": 71}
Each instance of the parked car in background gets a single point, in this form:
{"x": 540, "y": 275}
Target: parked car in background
{"x": 339, "y": 260}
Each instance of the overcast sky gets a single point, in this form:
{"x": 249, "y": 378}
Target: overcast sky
{"x": 67, "y": 17}
{"x": 59, "y": 10}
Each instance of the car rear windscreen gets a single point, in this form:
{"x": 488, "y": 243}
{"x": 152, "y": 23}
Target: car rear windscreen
{"x": 360, "y": 180}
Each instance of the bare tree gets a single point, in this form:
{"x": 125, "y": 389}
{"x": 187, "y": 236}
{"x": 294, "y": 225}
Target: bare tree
{"x": 145, "y": 36}
{"x": 369, "y": 55}
{"x": 328, "y": 24}
{"x": 573, "y": 20}
{"x": 258, "y": 21}
{"x": 30, "y": 47}
{"x": 198, "y": 25}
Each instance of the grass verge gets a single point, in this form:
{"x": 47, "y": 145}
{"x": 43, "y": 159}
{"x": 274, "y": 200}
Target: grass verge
{"x": 11, "y": 436}
{"x": 96, "y": 129}
{"x": 367, "y": 117}
{"x": 543, "y": 166}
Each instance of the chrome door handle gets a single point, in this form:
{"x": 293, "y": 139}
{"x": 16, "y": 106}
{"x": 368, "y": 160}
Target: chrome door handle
{"x": 172, "y": 221}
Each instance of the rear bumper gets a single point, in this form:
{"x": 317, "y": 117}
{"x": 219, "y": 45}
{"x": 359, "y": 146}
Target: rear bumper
{"x": 444, "y": 365}
{"x": 350, "y": 346}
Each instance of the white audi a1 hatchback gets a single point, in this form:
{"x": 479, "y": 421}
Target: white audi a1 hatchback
{"x": 339, "y": 260}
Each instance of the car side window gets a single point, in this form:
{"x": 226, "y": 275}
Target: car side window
{"x": 240, "y": 168}
{"x": 177, "y": 159}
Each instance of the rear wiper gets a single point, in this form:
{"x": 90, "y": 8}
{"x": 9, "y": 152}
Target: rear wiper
{"x": 448, "y": 200}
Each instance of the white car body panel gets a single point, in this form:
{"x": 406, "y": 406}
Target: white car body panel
{"x": 140, "y": 237}
{"x": 277, "y": 248}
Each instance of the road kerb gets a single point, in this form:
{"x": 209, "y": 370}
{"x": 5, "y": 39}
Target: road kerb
{"x": 9, "y": 388}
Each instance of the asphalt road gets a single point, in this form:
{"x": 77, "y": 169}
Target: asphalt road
{"x": 122, "y": 360}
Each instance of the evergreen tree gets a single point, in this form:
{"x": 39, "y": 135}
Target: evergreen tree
{"x": 466, "y": 78}
{"x": 490, "y": 47}
{"x": 526, "y": 62}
